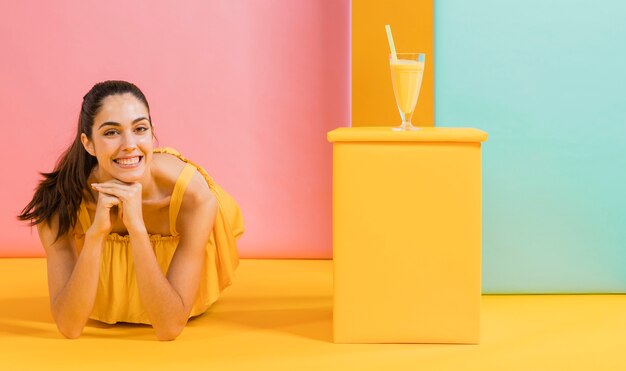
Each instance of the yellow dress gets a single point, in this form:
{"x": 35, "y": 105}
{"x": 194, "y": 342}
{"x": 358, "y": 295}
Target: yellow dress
{"x": 117, "y": 297}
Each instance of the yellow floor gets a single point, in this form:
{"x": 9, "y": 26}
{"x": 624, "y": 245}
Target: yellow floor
{"x": 278, "y": 316}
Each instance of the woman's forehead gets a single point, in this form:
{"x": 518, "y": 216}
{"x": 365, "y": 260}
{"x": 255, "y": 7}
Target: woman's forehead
{"x": 121, "y": 108}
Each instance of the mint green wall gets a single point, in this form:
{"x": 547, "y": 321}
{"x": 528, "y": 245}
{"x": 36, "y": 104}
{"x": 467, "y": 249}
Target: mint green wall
{"x": 546, "y": 80}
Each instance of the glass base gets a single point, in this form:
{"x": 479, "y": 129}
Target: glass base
{"x": 406, "y": 126}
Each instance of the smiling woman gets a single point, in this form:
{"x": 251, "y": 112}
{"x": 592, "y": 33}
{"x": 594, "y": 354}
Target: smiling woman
{"x": 131, "y": 233}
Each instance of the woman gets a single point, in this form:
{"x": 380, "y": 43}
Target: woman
{"x": 131, "y": 233}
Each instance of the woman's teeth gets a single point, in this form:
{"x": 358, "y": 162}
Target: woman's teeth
{"x": 128, "y": 161}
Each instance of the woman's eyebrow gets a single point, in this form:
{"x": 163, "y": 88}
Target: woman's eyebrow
{"x": 113, "y": 123}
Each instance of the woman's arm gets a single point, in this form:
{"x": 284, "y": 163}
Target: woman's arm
{"x": 168, "y": 299}
{"x": 72, "y": 280}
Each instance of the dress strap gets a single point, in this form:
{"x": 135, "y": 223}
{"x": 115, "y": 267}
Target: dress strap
{"x": 178, "y": 193}
{"x": 83, "y": 216}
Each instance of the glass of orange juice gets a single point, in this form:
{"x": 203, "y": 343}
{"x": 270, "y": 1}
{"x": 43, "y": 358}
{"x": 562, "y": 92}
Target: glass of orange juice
{"x": 407, "y": 70}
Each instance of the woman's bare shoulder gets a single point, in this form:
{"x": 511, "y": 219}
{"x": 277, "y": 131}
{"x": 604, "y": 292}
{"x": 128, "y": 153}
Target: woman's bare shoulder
{"x": 198, "y": 190}
{"x": 198, "y": 202}
{"x": 168, "y": 168}
{"x": 167, "y": 165}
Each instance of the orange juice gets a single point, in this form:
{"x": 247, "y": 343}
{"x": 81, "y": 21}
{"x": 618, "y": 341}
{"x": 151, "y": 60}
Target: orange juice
{"x": 406, "y": 76}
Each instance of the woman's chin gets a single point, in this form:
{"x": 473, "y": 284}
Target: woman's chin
{"x": 128, "y": 177}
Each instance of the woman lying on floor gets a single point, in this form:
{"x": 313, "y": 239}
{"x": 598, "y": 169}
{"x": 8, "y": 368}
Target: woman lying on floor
{"x": 131, "y": 233}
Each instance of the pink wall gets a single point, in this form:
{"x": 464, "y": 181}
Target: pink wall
{"x": 247, "y": 88}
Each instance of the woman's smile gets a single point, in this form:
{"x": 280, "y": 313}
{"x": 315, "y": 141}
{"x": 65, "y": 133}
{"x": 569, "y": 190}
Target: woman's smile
{"x": 129, "y": 162}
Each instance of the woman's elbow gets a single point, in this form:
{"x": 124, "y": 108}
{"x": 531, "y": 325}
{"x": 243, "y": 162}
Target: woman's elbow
{"x": 170, "y": 330}
{"x": 70, "y": 332}
{"x": 168, "y": 334}
{"x": 67, "y": 326}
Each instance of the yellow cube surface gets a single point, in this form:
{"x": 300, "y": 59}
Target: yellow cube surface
{"x": 407, "y": 235}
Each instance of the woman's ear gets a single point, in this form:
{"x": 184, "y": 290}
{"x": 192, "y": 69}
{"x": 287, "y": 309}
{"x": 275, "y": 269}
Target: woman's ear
{"x": 87, "y": 144}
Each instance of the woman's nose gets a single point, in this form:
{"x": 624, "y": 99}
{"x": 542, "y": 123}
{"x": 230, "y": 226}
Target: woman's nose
{"x": 129, "y": 141}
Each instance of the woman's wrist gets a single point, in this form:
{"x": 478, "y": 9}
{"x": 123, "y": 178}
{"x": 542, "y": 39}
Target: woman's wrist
{"x": 91, "y": 234}
{"x": 137, "y": 228}
{"x": 94, "y": 239}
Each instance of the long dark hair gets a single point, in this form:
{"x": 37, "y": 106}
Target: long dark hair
{"x": 61, "y": 191}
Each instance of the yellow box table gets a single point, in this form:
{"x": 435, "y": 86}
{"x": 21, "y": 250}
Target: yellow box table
{"x": 407, "y": 235}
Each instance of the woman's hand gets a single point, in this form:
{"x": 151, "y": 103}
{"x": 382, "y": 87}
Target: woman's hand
{"x": 128, "y": 198}
{"x": 102, "y": 220}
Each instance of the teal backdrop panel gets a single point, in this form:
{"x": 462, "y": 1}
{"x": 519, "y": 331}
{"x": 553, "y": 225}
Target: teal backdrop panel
{"x": 546, "y": 80}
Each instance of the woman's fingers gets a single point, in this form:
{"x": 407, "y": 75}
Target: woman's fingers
{"x": 111, "y": 190}
{"x": 119, "y": 189}
{"x": 108, "y": 201}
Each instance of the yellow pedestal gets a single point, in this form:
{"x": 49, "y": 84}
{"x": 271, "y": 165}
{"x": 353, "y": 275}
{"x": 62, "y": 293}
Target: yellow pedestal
{"x": 407, "y": 235}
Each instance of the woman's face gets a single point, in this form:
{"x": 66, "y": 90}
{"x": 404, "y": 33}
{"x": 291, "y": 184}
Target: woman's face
{"x": 121, "y": 139}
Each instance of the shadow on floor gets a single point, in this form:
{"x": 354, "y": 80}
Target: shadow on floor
{"x": 304, "y": 316}
{"x": 27, "y": 316}
{"x": 32, "y": 317}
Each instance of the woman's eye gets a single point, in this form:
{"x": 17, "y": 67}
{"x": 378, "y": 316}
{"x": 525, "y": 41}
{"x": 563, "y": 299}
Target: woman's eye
{"x": 108, "y": 133}
{"x": 142, "y": 129}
